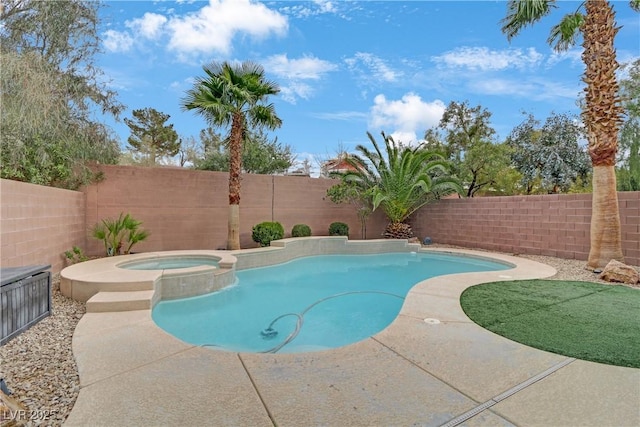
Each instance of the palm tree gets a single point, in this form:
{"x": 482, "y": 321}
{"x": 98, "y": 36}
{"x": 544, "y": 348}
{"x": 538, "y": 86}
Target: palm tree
{"x": 602, "y": 110}
{"x": 401, "y": 181}
{"x": 233, "y": 95}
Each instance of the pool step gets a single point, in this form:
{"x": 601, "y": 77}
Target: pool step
{"x": 119, "y": 301}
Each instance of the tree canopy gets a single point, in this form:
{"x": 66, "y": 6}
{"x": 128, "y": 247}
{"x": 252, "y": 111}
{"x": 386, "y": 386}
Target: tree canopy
{"x": 628, "y": 162}
{"x": 50, "y": 88}
{"x": 466, "y": 137}
{"x": 550, "y": 154}
{"x": 260, "y": 154}
{"x": 150, "y": 136}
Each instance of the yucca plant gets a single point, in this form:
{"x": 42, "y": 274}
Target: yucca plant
{"x": 401, "y": 180}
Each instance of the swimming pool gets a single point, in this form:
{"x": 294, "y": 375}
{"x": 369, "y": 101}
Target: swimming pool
{"x": 308, "y": 304}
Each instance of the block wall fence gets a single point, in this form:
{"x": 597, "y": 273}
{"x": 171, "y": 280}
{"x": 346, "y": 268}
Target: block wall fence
{"x": 554, "y": 225}
{"x": 187, "y": 209}
{"x": 182, "y": 208}
{"x": 37, "y": 224}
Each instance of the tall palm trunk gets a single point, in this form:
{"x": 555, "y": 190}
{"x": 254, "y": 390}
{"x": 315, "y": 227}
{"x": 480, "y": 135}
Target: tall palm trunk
{"x": 235, "y": 168}
{"x": 602, "y": 118}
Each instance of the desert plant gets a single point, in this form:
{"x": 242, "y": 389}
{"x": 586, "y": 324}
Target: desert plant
{"x": 338, "y": 229}
{"x": 301, "y": 230}
{"x": 75, "y": 255}
{"x": 234, "y": 95}
{"x": 119, "y": 234}
{"x": 602, "y": 110}
{"x": 400, "y": 179}
{"x": 267, "y": 231}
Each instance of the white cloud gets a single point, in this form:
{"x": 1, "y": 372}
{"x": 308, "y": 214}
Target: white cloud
{"x": 181, "y": 86}
{"x": 150, "y": 26}
{"x": 535, "y": 89}
{"x": 212, "y": 28}
{"x": 314, "y": 8}
{"x": 405, "y": 117}
{"x": 484, "y": 59}
{"x": 117, "y": 41}
{"x": 406, "y": 138}
{"x": 292, "y": 91}
{"x": 376, "y": 68}
{"x": 295, "y": 72}
{"x": 121, "y": 81}
{"x": 342, "y": 116}
{"x": 307, "y": 67}
{"x": 574, "y": 56}
{"x": 325, "y": 6}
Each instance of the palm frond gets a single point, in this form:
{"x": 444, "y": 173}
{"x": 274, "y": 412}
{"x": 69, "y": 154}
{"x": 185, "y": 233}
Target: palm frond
{"x": 563, "y": 36}
{"x": 521, "y": 13}
{"x": 399, "y": 179}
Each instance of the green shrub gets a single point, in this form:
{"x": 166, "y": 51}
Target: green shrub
{"x": 301, "y": 230}
{"x": 338, "y": 229}
{"x": 267, "y": 231}
{"x": 119, "y": 235}
{"x": 75, "y": 255}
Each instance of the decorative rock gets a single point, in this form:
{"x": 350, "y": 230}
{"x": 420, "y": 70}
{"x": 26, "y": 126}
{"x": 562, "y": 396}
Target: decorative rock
{"x": 414, "y": 240}
{"x": 39, "y": 368}
{"x": 615, "y": 271}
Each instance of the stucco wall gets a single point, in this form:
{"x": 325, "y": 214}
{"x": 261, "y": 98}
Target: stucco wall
{"x": 37, "y": 224}
{"x": 554, "y": 225}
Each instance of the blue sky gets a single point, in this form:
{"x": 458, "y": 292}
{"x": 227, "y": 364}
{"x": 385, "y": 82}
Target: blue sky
{"x": 348, "y": 67}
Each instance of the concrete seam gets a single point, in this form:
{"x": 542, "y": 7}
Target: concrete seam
{"x": 510, "y": 392}
{"x": 255, "y": 387}
{"x": 135, "y": 368}
{"x": 423, "y": 369}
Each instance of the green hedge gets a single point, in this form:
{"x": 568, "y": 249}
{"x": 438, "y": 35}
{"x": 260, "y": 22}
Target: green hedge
{"x": 338, "y": 229}
{"x": 267, "y": 231}
{"x": 301, "y": 230}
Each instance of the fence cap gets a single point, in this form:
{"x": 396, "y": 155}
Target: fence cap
{"x": 13, "y": 274}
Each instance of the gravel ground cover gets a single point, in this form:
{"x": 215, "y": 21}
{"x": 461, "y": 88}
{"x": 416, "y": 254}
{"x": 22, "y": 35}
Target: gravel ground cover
{"x": 38, "y": 365}
{"x": 39, "y": 368}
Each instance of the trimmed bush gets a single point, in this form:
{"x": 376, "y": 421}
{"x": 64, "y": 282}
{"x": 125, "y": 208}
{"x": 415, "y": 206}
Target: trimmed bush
{"x": 338, "y": 229}
{"x": 301, "y": 230}
{"x": 267, "y": 231}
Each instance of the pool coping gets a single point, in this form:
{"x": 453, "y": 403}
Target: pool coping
{"x": 87, "y": 280}
{"x": 413, "y": 372}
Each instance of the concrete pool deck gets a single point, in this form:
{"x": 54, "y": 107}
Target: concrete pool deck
{"x": 415, "y": 372}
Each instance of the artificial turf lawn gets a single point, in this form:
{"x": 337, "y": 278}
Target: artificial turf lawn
{"x": 588, "y": 321}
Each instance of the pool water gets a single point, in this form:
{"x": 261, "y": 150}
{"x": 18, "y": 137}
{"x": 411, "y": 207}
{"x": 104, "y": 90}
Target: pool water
{"x": 169, "y": 263}
{"x": 333, "y": 300}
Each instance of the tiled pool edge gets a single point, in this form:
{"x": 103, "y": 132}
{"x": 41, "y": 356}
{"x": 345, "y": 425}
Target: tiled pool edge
{"x": 83, "y": 281}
